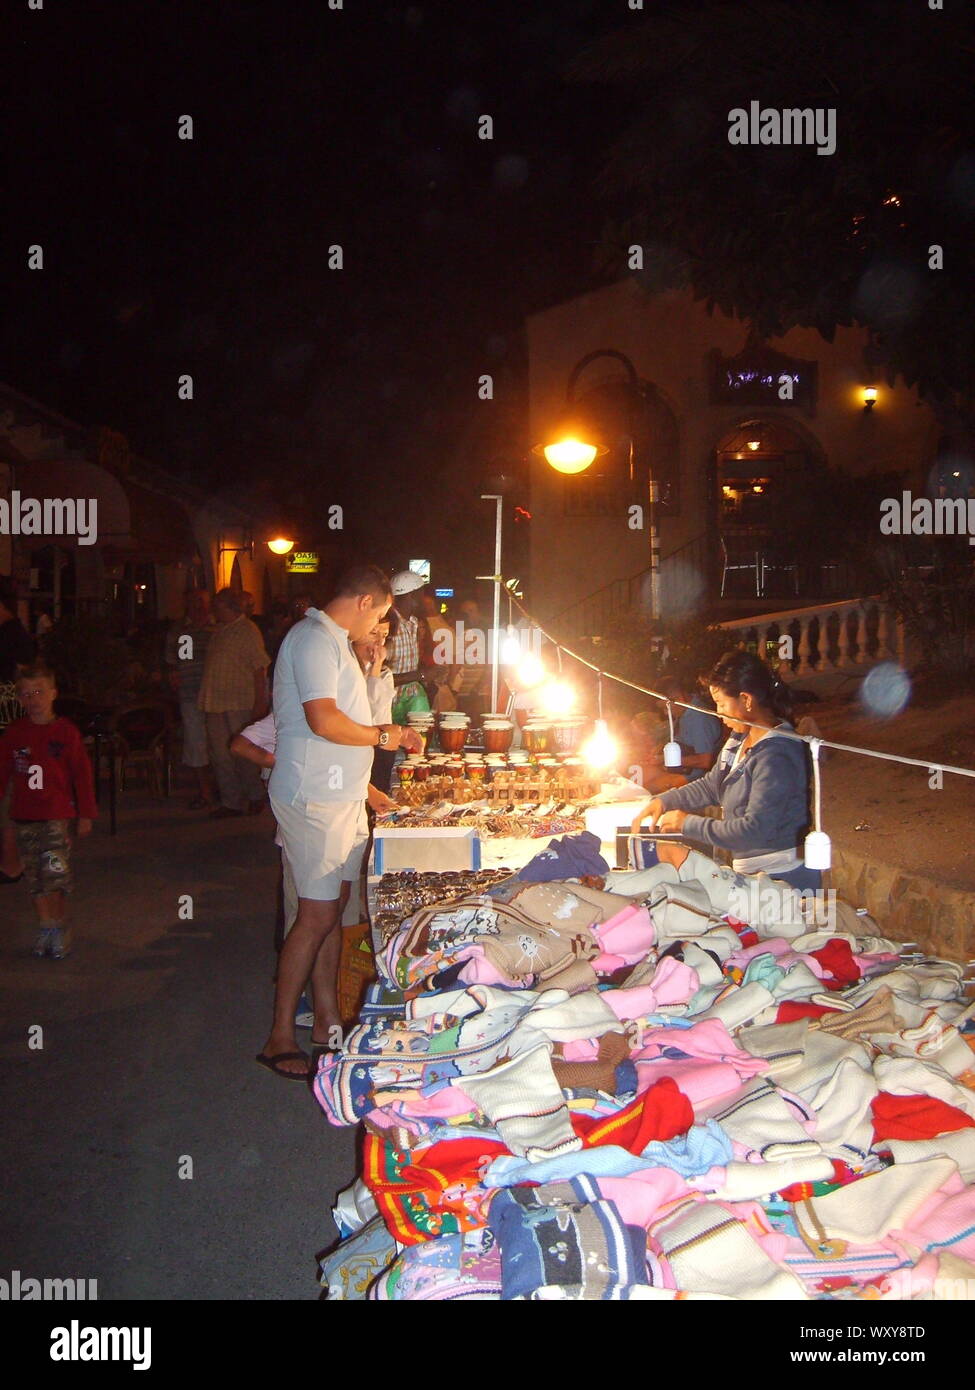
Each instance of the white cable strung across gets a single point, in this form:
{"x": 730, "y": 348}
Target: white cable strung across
{"x": 750, "y": 724}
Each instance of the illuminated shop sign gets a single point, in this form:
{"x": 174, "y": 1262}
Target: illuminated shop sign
{"x": 303, "y": 562}
{"x": 758, "y": 376}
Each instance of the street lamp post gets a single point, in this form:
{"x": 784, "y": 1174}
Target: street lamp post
{"x": 573, "y": 453}
{"x": 496, "y": 577}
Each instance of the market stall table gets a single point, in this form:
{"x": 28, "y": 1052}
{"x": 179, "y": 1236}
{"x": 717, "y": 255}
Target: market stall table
{"x": 635, "y": 1094}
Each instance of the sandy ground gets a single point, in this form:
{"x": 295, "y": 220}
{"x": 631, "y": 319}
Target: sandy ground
{"x": 890, "y": 812}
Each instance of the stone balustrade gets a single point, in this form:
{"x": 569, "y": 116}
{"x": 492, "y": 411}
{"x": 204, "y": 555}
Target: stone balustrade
{"x": 847, "y": 636}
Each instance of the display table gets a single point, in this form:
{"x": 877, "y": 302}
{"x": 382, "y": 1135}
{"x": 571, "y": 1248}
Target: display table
{"x": 588, "y": 1095}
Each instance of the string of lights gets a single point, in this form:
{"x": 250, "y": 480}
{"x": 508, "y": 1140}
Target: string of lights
{"x": 666, "y": 700}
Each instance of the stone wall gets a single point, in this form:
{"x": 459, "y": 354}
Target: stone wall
{"x": 908, "y": 906}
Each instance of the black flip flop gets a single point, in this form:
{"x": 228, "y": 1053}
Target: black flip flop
{"x": 320, "y": 1050}
{"x": 273, "y": 1064}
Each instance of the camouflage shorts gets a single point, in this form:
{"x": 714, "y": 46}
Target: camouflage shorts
{"x": 45, "y": 848}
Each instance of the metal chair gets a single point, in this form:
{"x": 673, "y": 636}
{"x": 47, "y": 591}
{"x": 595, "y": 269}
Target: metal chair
{"x": 739, "y": 562}
{"x": 779, "y": 564}
{"x": 141, "y": 735}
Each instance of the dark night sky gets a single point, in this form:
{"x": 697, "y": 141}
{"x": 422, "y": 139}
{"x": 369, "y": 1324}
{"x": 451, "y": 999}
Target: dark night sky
{"x": 312, "y": 127}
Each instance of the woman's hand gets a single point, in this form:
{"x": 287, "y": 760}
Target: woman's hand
{"x": 649, "y": 813}
{"x": 672, "y": 820}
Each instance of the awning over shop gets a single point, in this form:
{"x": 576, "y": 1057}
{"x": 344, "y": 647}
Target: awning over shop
{"x": 131, "y": 522}
{"x": 160, "y": 527}
{"x": 54, "y": 484}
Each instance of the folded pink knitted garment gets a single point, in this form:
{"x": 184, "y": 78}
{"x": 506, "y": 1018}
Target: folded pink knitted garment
{"x": 629, "y": 935}
{"x": 708, "y": 1039}
{"x": 775, "y": 946}
{"x": 783, "y": 951}
{"x": 478, "y": 970}
{"x": 642, "y": 1196}
{"x": 410, "y": 1106}
{"x": 945, "y": 1221}
{"x": 701, "y": 1081}
{"x": 673, "y": 983}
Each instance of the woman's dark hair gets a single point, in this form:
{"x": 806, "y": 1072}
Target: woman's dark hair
{"x": 740, "y": 672}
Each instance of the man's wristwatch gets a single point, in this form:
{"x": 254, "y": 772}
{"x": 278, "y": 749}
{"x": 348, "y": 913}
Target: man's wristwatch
{"x": 383, "y": 739}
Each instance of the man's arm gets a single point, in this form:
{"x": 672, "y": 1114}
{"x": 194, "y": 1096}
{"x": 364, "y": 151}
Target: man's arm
{"x": 378, "y": 801}
{"x": 327, "y": 721}
{"x": 242, "y": 747}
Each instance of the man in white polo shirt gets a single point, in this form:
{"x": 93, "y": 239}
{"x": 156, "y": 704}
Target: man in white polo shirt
{"x": 325, "y": 743}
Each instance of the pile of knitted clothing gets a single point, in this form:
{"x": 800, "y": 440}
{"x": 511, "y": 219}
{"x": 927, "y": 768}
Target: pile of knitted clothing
{"x": 636, "y": 1093}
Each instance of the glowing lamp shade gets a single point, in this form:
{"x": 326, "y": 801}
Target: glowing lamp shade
{"x": 570, "y": 455}
{"x": 557, "y": 698}
{"x": 530, "y": 670}
{"x": 280, "y": 546}
{"x": 673, "y": 757}
{"x": 510, "y": 653}
{"x": 601, "y": 749}
{"x": 754, "y": 444}
{"x": 869, "y": 397}
{"x": 817, "y": 851}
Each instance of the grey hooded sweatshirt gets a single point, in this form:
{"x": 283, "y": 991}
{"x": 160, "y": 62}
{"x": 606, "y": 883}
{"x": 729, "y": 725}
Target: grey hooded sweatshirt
{"x": 765, "y": 801}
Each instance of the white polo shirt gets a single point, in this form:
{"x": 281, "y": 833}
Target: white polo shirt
{"x": 316, "y": 662}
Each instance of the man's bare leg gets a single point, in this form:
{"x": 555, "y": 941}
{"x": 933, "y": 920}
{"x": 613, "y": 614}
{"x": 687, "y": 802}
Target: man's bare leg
{"x": 314, "y": 924}
{"x": 325, "y": 979}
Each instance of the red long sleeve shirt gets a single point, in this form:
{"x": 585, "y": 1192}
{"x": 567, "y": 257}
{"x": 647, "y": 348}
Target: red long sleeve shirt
{"x": 64, "y": 788}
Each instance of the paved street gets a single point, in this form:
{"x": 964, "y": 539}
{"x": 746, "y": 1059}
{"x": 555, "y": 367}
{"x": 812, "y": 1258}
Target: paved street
{"x": 150, "y": 1031}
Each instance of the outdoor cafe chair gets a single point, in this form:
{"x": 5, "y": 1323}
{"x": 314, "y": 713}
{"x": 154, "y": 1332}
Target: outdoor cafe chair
{"x": 141, "y": 735}
{"x": 742, "y": 559}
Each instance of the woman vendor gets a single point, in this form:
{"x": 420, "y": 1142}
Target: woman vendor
{"x": 760, "y": 780}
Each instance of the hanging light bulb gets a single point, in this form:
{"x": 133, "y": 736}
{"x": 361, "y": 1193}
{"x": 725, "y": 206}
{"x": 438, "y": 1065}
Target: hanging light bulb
{"x": 530, "y": 670}
{"x": 601, "y": 750}
{"x": 510, "y": 648}
{"x": 557, "y": 697}
{"x": 673, "y": 756}
{"x": 817, "y": 850}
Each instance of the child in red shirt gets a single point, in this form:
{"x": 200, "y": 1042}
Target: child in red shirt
{"x": 44, "y": 757}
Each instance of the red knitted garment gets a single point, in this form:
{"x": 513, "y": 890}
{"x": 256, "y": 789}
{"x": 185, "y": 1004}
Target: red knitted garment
{"x": 915, "y": 1117}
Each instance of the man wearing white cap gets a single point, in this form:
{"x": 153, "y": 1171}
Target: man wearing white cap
{"x": 404, "y": 646}
{"x": 325, "y": 744}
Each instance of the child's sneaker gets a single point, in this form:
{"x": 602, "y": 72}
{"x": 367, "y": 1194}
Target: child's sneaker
{"x": 60, "y": 943}
{"x": 305, "y": 1014}
{"x": 42, "y": 946}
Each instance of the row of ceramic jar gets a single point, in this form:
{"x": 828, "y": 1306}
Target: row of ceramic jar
{"x": 477, "y": 768}
{"x": 540, "y": 735}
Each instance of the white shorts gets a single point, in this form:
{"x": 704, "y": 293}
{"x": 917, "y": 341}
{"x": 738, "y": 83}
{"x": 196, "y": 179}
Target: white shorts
{"x": 323, "y": 843}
